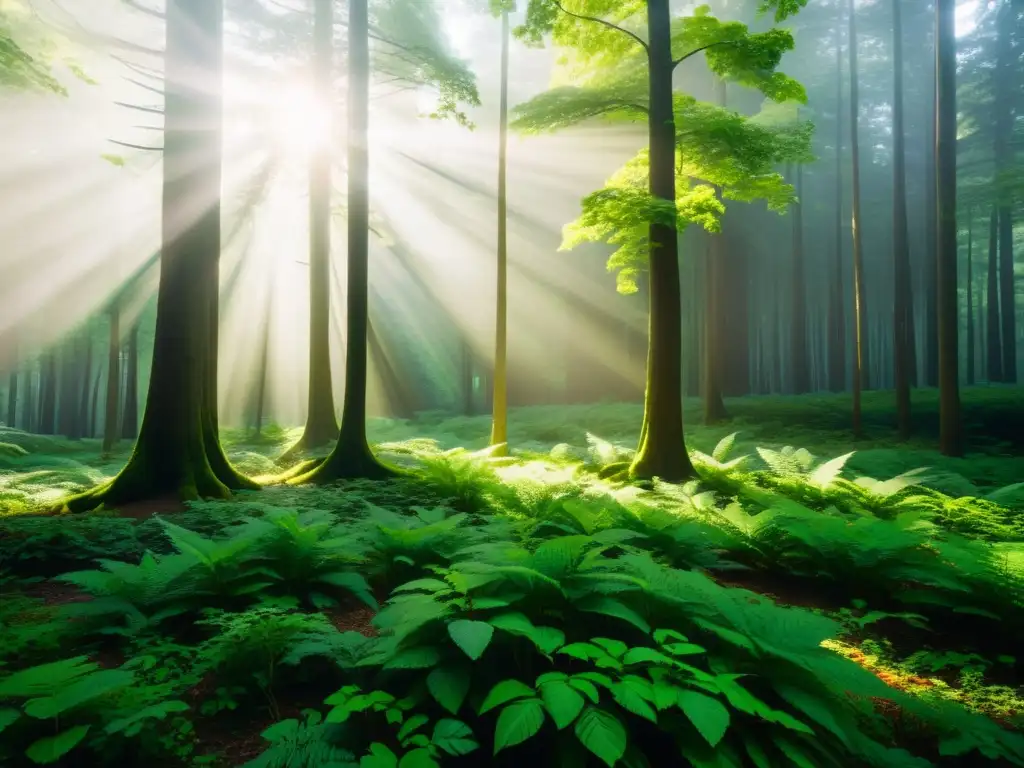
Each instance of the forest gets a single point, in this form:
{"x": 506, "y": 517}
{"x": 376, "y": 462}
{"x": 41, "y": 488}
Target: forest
{"x": 420, "y": 383}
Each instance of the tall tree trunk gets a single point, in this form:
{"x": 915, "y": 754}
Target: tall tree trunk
{"x": 85, "y": 383}
{"x": 798, "y": 312}
{"x": 499, "y": 416}
{"x": 29, "y": 412}
{"x": 66, "y": 408}
{"x": 970, "y": 299}
{"x": 931, "y": 317}
{"x": 130, "y": 422}
{"x": 321, "y": 422}
{"x": 12, "y": 399}
{"x": 836, "y": 344}
{"x": 903, "y": 304}
{"x": 111, "y": 426}
{"x": 466, "y": 388}
{"x": 1007, "y": 303}
{"x": 714, "y": 407}
{"x": 172, "y": 456}
{"x": 993, "y": 332}
{"x": 860, "y": 362}
{"x": 48, "y": 393}
{"x": 715, "y": 355}
{"x": 950, "y": 426}
{"x": 351, "y": 456}
{"x": 1006, "y": 90}
{"x": 261, "y": 382}
{"x": 662, "y": 451}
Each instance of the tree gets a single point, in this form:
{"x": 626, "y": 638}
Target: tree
{"x": 499, "y": 413}
{"x": 950, "y": 427}
{"x": 859, "y": 290}
{"x": 798, "y": 324}
{"x": 111, "y": 425}
{"x": 624, "y": 76}
{"x": 321, "y": 423}
{"x": 351, "y": 456}
{"x": 903, "y": 304}
{"x": 1005, "y": 88}
{"x": 836, "y": 313}
{"x": 178, "y": 452}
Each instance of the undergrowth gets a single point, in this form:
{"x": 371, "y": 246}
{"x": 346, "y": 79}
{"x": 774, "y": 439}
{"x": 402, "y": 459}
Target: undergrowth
{"x": 527, "y": 609}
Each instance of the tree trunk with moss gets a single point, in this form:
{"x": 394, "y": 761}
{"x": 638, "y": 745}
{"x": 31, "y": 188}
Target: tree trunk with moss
{"x": 172, "y": 457}
{"x": 715, "y": 354}
{"x": 351, "y": 456}
{"x": 499, "y": 412}
{"x": 662, "y": 450}
{"x": 321, "y": 422}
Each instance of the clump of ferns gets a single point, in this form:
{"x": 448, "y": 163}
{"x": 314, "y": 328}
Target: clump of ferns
{"x": 465, "y": 480}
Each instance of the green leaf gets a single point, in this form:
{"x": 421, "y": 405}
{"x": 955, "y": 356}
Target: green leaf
{"x": 454, "y": 737}
{"x": 53, "y": 748}
{"x": 7, "y": 716}
{"x": 418, "y": 758}
{"x": 630, "y": 700}
{"x": 709, "y": 716}
{"x": 504, "y": 692}
{"x": 616, "y": 609}
{"x": 684, "y": 649}
{"x": 586, "y": 687}
{"x": 562, "y": 701}
{"x": 355, "y": 583}
{"x": 449, "y": 686}
{"x": 472, "y": 637}
{"x": 641, "y": 654}
{"x": 547, "y": 639}
{"x": 411, "y": 725}
{"x": 414, "y": 658}
{"x": 757, "y": 755}
{"x": 603, "y": 734}
{"x": 380, "y": 757}
{"x": 517, "y": 723}
{"x": 95, "y": 685}
{"x": 797, "y": 755}
{"x": 423, "y": 585}
{"x": 661, "y": 635}
{"x": 616, "y": 648}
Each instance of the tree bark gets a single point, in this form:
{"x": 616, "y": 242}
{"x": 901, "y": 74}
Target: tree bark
{"x": 48, "y": 393}
{"x": 12, "y": 399}
{"x": 111, "y": 413}
{"x": 993, "y": 331}
{"x": 903, "y": 308}
{"x": 970, "y": 299}
{"x": 798, "y": 312}
{"x": 499, "y": 413}
{"x": 950, "y": 426}
{"x": 130, "y": 422}
{"x": 836, "y": 307}
{"x": 351, "y": 456}
{"x": 321, "y": 422}
{"x": 1005, "y": 91}
{"x": 662, "y": 450}
{"x": 859, "y": 317}
{"x": 172, "y": 456}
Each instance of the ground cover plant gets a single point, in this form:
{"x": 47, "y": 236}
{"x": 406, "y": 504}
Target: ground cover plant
{"x": 786, "y": 609}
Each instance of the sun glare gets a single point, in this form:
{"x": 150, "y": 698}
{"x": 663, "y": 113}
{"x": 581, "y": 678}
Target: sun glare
{"x": 301, "y": 122}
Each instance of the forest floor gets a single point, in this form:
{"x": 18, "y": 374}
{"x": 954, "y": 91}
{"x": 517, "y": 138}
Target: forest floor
{"x": 232, "y": 640}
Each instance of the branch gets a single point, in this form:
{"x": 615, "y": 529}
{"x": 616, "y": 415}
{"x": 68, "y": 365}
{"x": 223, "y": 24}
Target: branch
{"x": 140, "y": 108}
{"x": 135, "y": 146}
{"x": 608, "y": 24}
{"x": 695, "y": 51}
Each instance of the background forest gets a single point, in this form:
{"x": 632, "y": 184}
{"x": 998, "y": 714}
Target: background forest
{"x": 404, "y": 383}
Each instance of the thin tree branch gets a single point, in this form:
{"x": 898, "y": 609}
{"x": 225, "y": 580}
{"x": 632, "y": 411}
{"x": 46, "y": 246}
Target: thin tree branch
{"x": 140, "y": 108}
{"x": 608, "y": 24}
{"x": 135, "y": 146}
{"x": 695, "y": 51}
